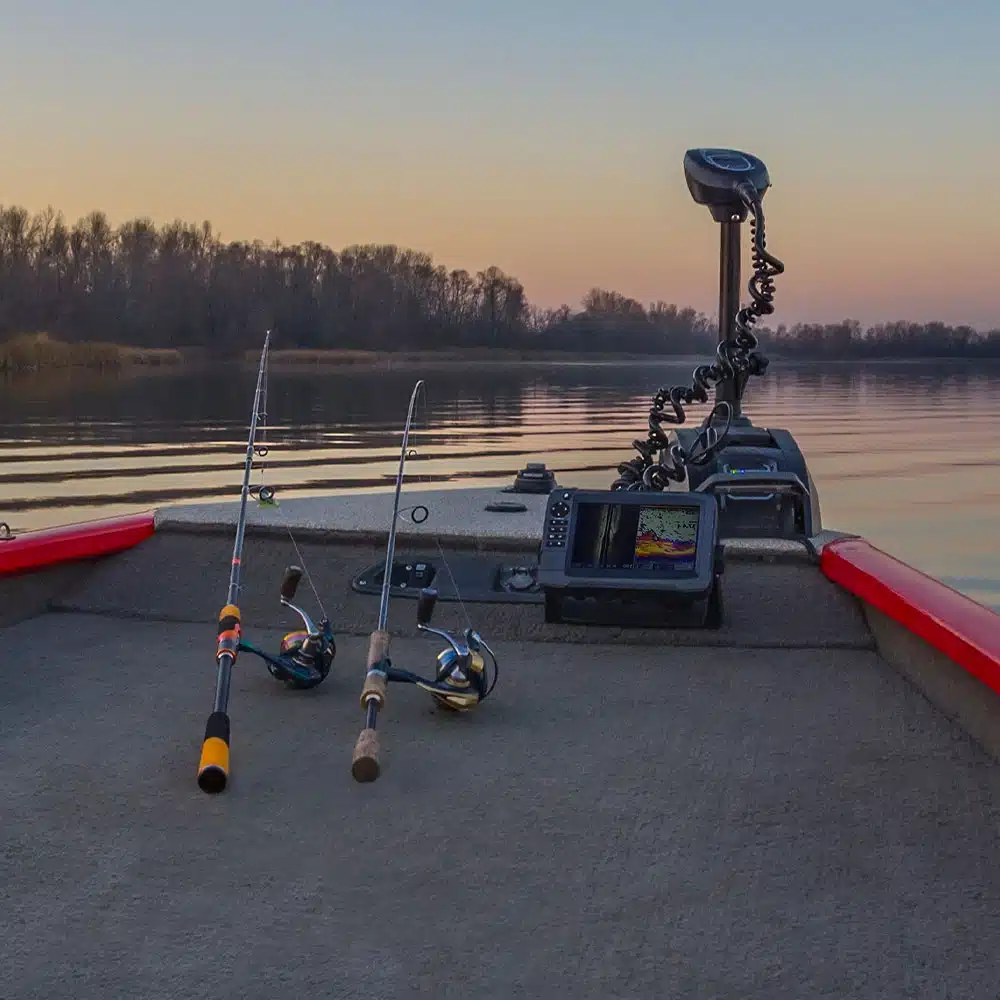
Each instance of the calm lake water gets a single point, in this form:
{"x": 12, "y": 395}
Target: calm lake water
{"x": 906, "y": 455}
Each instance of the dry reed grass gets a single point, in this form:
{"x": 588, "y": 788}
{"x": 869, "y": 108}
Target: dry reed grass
{"x": 38, "y": 352}
{"x": 346, "y": 357}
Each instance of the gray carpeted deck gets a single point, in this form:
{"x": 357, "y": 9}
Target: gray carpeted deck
{"x": 641, "y": 823}
{"x": 765, "y": 811}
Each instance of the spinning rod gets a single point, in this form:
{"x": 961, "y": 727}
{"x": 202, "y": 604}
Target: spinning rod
{"x": 460, "y": 683}
{"x": 305, "y": 656}
{"x": 213, "y": 769}
{"x": 365, "y": 763}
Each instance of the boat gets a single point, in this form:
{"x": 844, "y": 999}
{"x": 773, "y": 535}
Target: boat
{"x": 793, "y": 792}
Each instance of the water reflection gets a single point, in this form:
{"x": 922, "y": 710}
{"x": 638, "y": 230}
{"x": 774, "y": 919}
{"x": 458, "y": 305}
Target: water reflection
{"x": 904, "y": 454}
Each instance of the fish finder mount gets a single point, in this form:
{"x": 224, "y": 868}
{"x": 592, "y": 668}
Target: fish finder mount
{"x": 628, "y": 558}
{"x": 758, "y": 475}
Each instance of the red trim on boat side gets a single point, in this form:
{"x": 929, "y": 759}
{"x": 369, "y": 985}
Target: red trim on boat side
{"x": 958, "y": 626}
{"x": 85, "y": 540}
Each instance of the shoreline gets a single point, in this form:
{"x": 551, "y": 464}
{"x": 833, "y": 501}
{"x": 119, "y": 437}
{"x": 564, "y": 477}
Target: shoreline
{"x": 355, "y": 360}
{"x": 38, "y": 355}
{"x": 464, "y": 358}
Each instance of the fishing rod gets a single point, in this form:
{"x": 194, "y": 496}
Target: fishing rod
{"x": 213, "y": 769}
{"x": 365, "y": 765}
{"x": 460, "y": 682}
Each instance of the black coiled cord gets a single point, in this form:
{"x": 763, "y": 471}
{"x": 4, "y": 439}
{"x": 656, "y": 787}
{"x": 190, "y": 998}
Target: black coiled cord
{"x": 736, "y": 359}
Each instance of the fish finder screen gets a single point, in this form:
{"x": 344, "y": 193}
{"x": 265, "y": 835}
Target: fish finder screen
{"x": 634, "y": 538}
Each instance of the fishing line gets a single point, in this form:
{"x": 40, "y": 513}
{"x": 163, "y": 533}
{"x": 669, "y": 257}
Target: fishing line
{"x": 303, "y": 563}
{"x": 426, "y": 424}
{"x": 263, "y": 493}
{"x": 426, "y": 421}
{"x": 266, "y": 495}
{"x": 461, "y": 681}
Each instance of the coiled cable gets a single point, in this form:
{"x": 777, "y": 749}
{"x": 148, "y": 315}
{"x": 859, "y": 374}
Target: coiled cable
{"x": 736, "y": 359}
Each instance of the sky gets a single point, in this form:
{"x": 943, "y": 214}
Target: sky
{"x": 545, "y": 137}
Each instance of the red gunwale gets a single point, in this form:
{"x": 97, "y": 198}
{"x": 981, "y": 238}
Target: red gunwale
{"x": 67, "y": 543}
{"x": 962, "y": 629}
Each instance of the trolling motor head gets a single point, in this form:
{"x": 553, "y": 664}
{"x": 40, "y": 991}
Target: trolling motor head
{"x": 460, "y": 681}
{"x": 715, "y": 176}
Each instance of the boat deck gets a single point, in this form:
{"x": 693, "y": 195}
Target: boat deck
{"x": 749, "y": 813}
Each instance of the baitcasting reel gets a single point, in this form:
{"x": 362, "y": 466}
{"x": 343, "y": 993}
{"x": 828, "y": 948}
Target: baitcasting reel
{"x": 304, "y": 657}
{"x": 460, "y": 682}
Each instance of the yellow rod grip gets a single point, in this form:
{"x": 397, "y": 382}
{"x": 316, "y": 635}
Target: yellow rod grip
{"x": 213, "y": 770}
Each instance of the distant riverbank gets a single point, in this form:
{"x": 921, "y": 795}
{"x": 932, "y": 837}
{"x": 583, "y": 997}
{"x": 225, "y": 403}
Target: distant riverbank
{"x": 485, "y": 357}
{"x": 38, "y": 352}
{"x": 446, "y": 358}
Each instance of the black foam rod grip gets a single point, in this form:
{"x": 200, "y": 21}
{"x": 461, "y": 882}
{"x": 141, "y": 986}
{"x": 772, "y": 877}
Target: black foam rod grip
{"x": 290, "y": 582}
{"x": 425, "y": 605}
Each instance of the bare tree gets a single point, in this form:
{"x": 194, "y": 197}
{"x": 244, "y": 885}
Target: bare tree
{"x": 181, "y": 285}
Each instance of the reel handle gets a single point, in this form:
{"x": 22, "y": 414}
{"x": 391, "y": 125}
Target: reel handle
{"x": 425, "y": 605}
{"x": 290, "y": 582}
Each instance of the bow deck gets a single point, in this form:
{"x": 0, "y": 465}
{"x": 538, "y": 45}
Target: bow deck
{"x": 769, "y": 810}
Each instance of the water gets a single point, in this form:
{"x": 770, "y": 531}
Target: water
{"x": 903, "y": 454}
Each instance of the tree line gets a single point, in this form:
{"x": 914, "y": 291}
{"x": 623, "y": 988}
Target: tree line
{"x": 180, "y": 285}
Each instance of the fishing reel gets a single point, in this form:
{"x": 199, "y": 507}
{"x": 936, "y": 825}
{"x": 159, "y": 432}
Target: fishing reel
{"x": 305, "y": 657}
{"x": 460, "y": 682}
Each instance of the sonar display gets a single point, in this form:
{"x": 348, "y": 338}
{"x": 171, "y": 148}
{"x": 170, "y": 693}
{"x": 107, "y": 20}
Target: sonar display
{"x": 666, "y": 536}
{"x": 634, "y": 538}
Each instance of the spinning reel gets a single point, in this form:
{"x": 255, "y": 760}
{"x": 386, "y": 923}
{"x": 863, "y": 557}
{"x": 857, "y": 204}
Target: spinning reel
{"x": 304, "y": 657}
{"x": 460, "y": 682}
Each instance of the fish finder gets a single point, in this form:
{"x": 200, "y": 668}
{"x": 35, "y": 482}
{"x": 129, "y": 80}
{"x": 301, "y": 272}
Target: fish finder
{"x": 613, "y": 557}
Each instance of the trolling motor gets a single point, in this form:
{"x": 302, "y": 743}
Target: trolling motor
{"x": 758, "y": 475}
{"x": 647, "y": 552}
{"x": 305, "y": 657}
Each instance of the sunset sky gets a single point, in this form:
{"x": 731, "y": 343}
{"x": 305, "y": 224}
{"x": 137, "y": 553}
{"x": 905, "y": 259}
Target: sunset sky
{"x": 545, "y": 137}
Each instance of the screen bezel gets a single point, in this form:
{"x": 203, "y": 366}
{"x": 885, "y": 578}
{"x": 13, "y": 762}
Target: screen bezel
{"x": 706, "y": 538}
